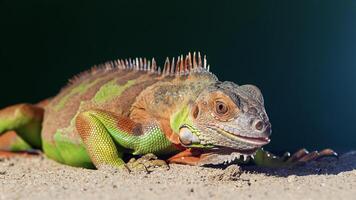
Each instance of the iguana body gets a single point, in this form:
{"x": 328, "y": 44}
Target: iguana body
{"x": 130, "y": 106}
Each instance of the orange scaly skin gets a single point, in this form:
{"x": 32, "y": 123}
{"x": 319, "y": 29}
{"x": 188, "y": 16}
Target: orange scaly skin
{"x": 133, "y": 107}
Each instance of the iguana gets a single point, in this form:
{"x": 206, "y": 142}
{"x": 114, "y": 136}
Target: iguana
{"x": 133, "y": 107}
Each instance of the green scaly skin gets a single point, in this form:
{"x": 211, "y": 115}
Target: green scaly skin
{"x": 109, "y": 112}
{"x": 105, "y": 134}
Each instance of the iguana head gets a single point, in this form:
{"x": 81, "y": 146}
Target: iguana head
{"x": 227, "y": 120}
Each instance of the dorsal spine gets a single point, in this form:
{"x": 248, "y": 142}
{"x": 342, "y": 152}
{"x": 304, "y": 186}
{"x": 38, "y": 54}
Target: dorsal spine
{"x": 182, "y": 66}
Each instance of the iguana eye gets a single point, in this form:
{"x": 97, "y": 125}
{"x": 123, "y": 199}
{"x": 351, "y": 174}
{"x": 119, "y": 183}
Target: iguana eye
{"x": 221, "y": 107}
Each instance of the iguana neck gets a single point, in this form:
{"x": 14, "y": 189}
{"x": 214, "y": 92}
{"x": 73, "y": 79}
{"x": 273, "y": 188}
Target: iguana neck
{"x": 165, "y": 99}
{"x": 180, "y": 118}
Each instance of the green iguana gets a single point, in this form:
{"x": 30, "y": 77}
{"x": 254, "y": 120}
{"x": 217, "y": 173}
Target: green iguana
{"x": 133, "y": 107}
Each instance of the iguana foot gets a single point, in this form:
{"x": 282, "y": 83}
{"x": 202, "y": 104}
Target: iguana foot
{"x": 303, "y": 156}
{"x": 265, "y": 158}
{"x": 147, "y": 163}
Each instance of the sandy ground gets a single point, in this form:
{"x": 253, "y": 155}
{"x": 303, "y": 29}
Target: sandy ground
{"x": 40, "y": 178}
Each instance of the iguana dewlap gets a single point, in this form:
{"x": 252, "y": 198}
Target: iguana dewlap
{"x": 133, "y": 107}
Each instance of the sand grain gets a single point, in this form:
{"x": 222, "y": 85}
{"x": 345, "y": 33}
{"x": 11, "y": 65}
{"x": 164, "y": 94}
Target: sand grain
{"x": 39, "y": 178}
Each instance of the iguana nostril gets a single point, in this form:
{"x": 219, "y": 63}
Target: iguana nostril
{"x": 259, "y": 125}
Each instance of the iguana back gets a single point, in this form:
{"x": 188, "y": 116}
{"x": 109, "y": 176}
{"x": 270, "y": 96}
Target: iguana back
{"x": 116, "y": 86}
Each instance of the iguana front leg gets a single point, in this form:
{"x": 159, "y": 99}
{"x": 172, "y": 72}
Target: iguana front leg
{"x": 187, "y": 157}
{"x": 106, "y": 136}
{"x": 266, "y": 159}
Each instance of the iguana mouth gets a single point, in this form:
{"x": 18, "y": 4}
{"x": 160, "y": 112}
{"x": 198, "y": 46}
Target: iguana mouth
{"x": 234, "y": 135}
{"x": 220, "y": 154}
{"x": 225, "y": 155}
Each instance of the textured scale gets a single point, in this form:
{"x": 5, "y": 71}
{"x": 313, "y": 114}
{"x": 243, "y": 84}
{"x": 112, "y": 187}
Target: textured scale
{"x": 63, "y": 108}
{"x": 120, "y": 87}
{"x": 133, "y": 106}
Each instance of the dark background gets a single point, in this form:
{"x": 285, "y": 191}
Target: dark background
{"x": 300, "y": 53}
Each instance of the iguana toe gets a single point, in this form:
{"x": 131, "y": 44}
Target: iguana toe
{"x": 303, "y": 156}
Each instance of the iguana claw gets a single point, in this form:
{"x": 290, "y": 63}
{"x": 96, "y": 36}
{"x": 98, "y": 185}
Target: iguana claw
{"x": 304, "y": 156}
{"x": 264, "y": 158}
{"x": 147, "y": 163}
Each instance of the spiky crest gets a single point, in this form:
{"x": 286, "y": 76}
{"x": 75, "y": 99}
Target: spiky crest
{"x": 182, "y": 67}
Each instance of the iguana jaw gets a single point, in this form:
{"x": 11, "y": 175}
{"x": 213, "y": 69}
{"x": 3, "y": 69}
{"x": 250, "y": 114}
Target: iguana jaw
{"x": 189, "y": 137}
{"x": 233, "y": 134}
{"x": 219, "y": 154}
{"x": 227, "y": 147}
{"x": 219, "y": 151}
